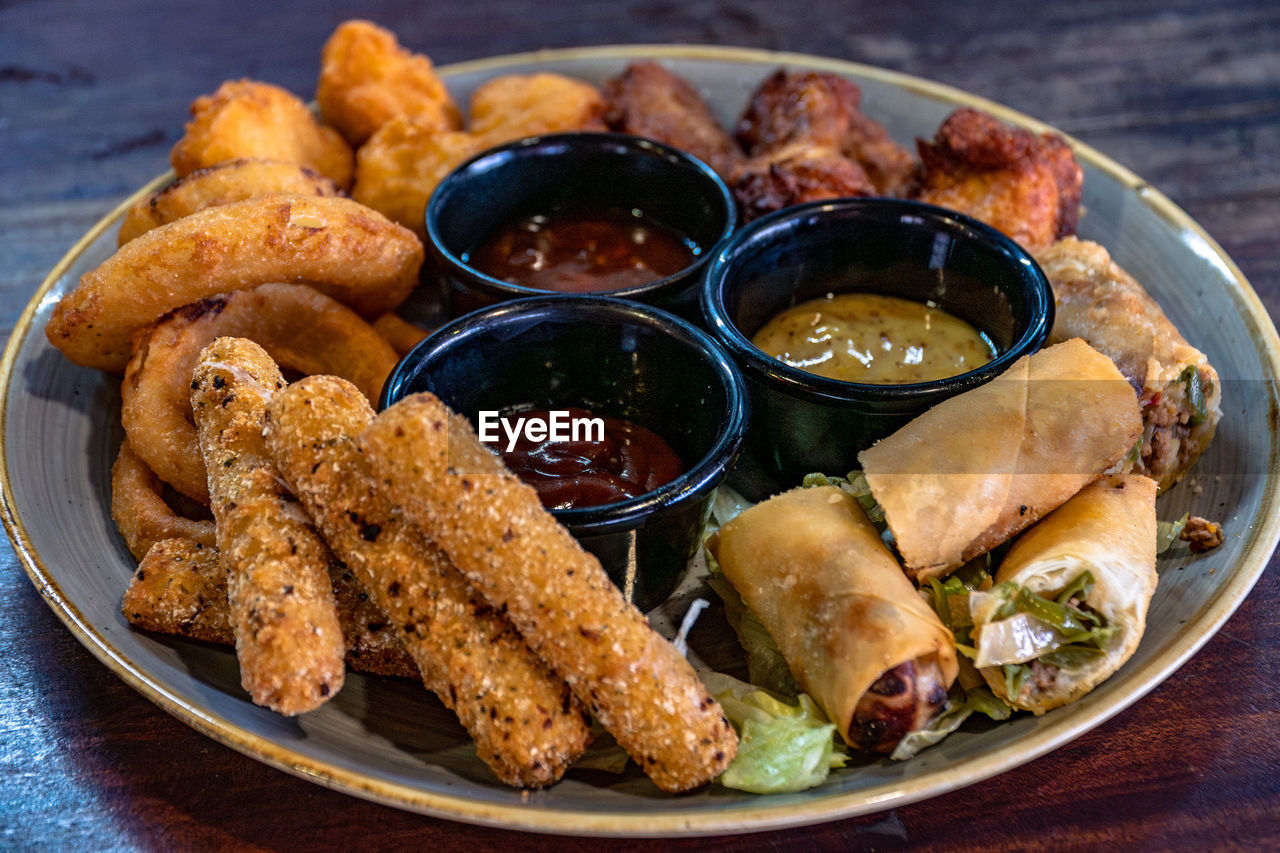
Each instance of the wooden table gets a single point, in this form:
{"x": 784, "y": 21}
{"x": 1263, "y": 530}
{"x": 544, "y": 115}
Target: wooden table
{"x": 93, "y": 94}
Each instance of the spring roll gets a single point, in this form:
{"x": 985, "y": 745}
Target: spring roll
{"x": 1070, "y": 601}
{"x": 288, "y": 638}
{"x": 495, "y": 530}
{"x": 976, "y": 469}
{"x": 527, "y": 725}
{"x": 853, "y": 630}
{"x": 180, "y": 589}
{"x": 1178, "y": 390}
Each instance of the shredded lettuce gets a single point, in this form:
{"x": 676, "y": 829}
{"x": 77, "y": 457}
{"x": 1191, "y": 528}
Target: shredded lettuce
{"x": 783, "y": 748}
{"x": 855, "y": 485}
{"x": 1167, "y": 532}
{"x": 979, "y": 700}
{"x": 765, "y": 665}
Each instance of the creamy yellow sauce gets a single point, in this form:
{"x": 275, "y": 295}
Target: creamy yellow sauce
{"x": 866, "y": 337}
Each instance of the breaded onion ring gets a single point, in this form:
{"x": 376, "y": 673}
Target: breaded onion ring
{"x": 367, "y": 79}
{"x": 234, "y": 180}
{"x": 139, "y": 509}
{"x": 525, "y": 563}
{"x": 248, "y": 118}
{"x": 288, "y": 638}
{"x": 343, "y": 248}
{"x": 303, "y": 331}
{"x": 181, "y": 589}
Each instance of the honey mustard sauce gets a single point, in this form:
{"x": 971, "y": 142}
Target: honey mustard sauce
{"x": 867, "y": 337}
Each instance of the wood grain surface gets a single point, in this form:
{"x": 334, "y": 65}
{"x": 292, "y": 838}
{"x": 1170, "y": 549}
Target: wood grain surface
{"x": 1187, "y": 94}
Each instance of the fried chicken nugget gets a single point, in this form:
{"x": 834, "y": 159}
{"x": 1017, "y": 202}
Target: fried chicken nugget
{"x": 1023, "y": 184}
{"x": 247, "y": 118}
{"x": 234, "y": 180}
{"x": 367, "y": 79}
{"x": 342, "y": 248}
{"x": 495, "y": 530}
{"x": 301, "y": 329}
{"x": 180, "y": 589}
{"x": 400, "y": 165}
{"x": 140, "y": 511}
{"x": 288, "y": 638}
{"x": 514, "y": 106}
{"x": 527, "y": 725}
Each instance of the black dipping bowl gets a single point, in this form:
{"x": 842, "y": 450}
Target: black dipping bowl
{"x": 569, "y": 172}
{"x": 611, "y": 357}
{"x": 802, "y": 422}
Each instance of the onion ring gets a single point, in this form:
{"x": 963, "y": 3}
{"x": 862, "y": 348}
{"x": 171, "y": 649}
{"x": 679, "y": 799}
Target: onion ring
{"x": 234, "y": 180}
{"x": 346, "y": 250}
{"x": 139, "y": 509}
{"x": 303, "y": 330}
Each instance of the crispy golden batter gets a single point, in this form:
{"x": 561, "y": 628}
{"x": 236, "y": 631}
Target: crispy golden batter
{"x": 399, "y": 333}
{"x": 303, "y": 330}
{"x": 1025, "y": 185}
{"x": 527, "y": 726}
{"x": 247, "y": 118}
{"x": 650, "y": 101}
{"x": 140, "y": 511}
{"x": 343, "y": 248}
{"x": 367, "y": 79}
{"x": 796, "y": 174}
{"x": 515, "y": 106}
{"x": 495, "y": 530}
{"x": 288, "y": 639}
{"x": 234, "y": 180}
{"x": 180, "y": 588}
{"x": 400, "y": 165}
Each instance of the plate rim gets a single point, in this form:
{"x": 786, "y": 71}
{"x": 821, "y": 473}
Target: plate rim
{"x": 668, "y": 823}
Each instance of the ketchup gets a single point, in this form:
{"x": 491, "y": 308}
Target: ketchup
{"x": 583, "y": 252}
{"x": 629, "y": 461}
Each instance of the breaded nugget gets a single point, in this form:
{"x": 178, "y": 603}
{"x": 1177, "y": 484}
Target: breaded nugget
{"x": 514, "y": 106}
{"x": 400, "y": 165}
{"x": 1024, "y": 184}
{"x": 180, "y": 588}
{"x": 496, "y": 531}
{"x": 302, "y": 330}
{"x": 399, "y": 333}
{"x": 140, "y": 511}
{"x": 288, "y": 639}
{"x": 342, "y": 248}
{"x": 234, "y": 180}
{"x": 247, "y": 118}
{"x": 650, "y": 101}
{"x": 527, "y": 725}
{"x": 367, "y": 79}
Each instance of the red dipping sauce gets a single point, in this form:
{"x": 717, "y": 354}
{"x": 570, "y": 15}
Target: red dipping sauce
{"x": 583, "y": 252}
{"x": 627, "y": 462}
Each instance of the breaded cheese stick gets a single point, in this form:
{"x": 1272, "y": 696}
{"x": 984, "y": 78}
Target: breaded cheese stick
{"x": 495, "y": 530}
{"x": 181, "y": 589}
{"x": 288, "y": 639}
{"x": 527, "y": 725}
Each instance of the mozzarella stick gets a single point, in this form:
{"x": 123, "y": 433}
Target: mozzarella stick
{"x": 527, "y": 725}
{"x": 181, "y": 589}
{"x": 513, "y": 551}
{"x": 288, "y": 639}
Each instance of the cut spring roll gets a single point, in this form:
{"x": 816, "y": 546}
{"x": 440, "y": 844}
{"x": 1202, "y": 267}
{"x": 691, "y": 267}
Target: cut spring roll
{"x": 1178, "y": 390}
{"x": 852, "y": 628}
{"x": 527, "y": 725}
{"x": 1070, "y": 601}
{"x": 288, "y": 639}
{"x": 496, "y": 531}
{"x": 974, "y": 470}
{"x": 181, "y": 589}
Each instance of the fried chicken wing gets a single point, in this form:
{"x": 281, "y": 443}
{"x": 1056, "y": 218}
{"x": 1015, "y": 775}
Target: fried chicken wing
{"x": 795, "y": 174}
{"x": 1023, "y": 184}
{"x": 367, "y": 79}
{"x": 650, "y": 101}
{"x": 250, "y": 119}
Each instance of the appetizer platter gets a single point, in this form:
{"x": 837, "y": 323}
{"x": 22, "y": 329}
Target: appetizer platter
{"x": 390, "y": 741}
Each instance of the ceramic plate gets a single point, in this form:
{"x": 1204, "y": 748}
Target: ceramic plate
{"x": 388, "y": 740}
